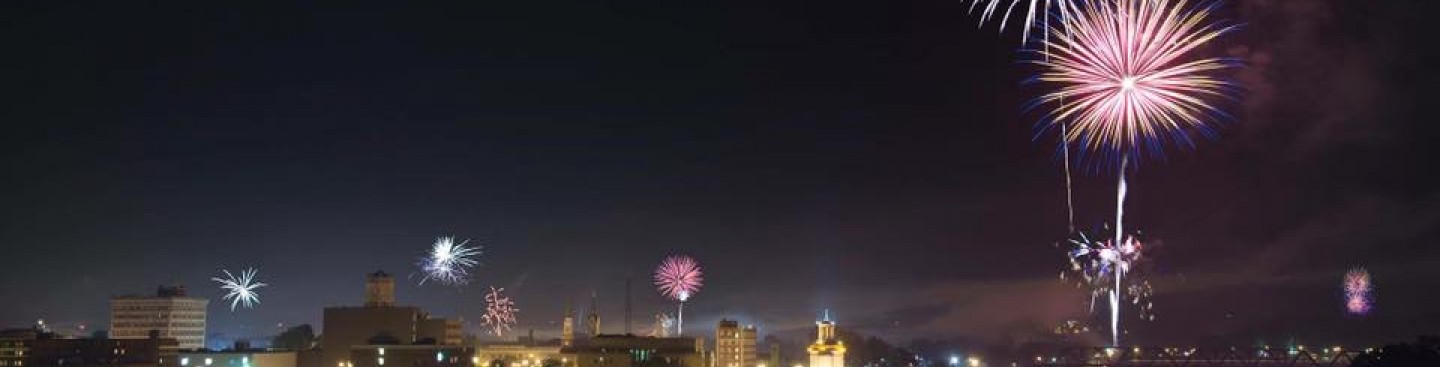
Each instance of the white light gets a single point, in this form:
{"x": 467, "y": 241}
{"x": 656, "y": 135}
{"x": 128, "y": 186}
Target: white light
{"x": 185, "y": 361}
{"x": 974, "y": 362}
{"x": 382, "y": 351}
{"x": 380, "y": 361}
{"x": 439, "y": 356}
{"x": 208, "y": 361}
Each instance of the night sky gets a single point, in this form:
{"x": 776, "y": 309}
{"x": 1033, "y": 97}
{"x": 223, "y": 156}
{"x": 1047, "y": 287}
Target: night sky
{"x": 869, "y": 157}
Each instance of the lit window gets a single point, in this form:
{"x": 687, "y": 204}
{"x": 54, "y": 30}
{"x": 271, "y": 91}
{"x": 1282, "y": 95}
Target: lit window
{"x": 381, "y": 361}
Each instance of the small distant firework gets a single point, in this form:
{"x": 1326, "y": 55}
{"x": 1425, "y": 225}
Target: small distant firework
{"x": 1358, "y": 291}
{"x": 240, "y": 290}
{"x": 663, "y": 323}
{"x": 448, "y": 262}
{"x": 1110, "y": 271}
{"x": 1071, "y": 327}
{"x": 500, "y": 312}
{"x": 678, "y": 278}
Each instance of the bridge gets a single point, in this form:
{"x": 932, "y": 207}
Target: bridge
{"x": 1195, "y": 357}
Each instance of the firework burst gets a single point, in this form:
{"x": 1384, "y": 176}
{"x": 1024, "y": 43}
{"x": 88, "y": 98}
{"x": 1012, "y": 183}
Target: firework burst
{"x": 1358, "y": 291}
{"x": 240, "y": 290}
{"x": 500, "y": 312}
{"x": 1127, "y": 81}
{"x": 449, "y": 262}
{"x": 1112, "y": 273}
{"x": 679, "y": 277}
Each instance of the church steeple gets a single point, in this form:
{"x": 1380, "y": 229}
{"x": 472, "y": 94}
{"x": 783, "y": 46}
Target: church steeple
{"x": 828, "y": 350}
{"x": 593, "y": 320}
{"x": 567, "y": 328}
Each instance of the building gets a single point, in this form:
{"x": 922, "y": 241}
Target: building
{"x": 411, "y": 356}
{"x": 638, "y": 351}
{"x": 379, "y": 322}
{"x": 828, "y": 350}
{"x": 240, "y": 358}
{"x": 151, "y": 352}
{"x": 734, "y": 345}
{"x": 170, "y": 312}
{"x": 379, "y": 290}
{"x": 15, "y": 346}
{"x": 567, "y": 328}
{"x": 774, "y": 357}
{"x": 442, "y": 331}
{"x": 523, "y": 354}
{"x": 592, "y": 322}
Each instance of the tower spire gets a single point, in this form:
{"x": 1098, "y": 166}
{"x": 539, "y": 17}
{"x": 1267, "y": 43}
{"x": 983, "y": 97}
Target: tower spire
{"x": 593, "y": 320}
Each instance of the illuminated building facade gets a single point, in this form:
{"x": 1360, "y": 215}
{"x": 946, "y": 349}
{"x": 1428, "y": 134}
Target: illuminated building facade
{"x": 170, "y": 313}
{"x": 734, "y": 345}
{"x": 828, "y": 350}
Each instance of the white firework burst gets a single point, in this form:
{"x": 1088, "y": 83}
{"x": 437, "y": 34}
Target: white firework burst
{"x": 449, "y": 262}
{"x": 240, "y": 290}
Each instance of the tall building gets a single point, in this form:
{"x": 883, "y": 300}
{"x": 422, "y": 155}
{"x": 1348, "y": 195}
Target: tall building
{"x": 593, "y": 320}
{"x": 828, "y": 350}
{"x": 379, "y": 289}
{"x": 170, "y": 313}
{"x": 734, "y": 345}
{"x": 567, "y": 328}
{"x": 15, "y": 346}
{"x": 379, "y": 322}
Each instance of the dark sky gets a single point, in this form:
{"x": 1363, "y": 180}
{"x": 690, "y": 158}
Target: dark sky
{"x": 870, "y": 157}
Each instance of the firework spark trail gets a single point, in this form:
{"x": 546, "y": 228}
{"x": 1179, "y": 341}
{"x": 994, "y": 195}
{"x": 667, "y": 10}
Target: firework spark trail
{"x": 1358, "y": 291}
{"x": 1031, "y": 10}
{"x": 679, "y": 277}
{"x": 500, "y": 312}
{"x": 240, "y": 290}
{"x": 448, "y": 262}
{"x": 1126, "y": 86}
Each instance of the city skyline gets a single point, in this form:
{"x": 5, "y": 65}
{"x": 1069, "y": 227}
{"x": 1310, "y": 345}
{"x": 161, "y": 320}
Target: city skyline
{"x": 871, "y": 158}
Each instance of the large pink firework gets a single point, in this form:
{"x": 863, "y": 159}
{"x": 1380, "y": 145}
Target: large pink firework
{"x": 1129, "y": 83}
{"x": 1128, "y": 79}
{"x": 679, "y": 278}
